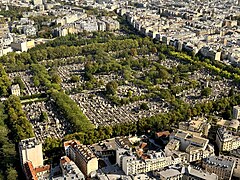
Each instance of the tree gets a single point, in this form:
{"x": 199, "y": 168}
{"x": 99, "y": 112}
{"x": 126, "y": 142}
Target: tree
{"x": 133, "y": 52}
{"x": 154, "y": 50}
{"x": 5, "y": 82}
{"x": 17, "y": 121}
{"x": 111, "y": 87}
{"x": 144, "y": 106}
{"x": 18, "y": 80}
{"x": 71, "y": 111}
{"x": 56, "y": 78}
{"x": 231, "y": 92}
{"x": 162, "y": 57}
{"x": 11, "y": 174}
{"x": 129, "y": 93}
{"x": 206, "y": 92}
{"x": 75, "y": 78}
{"x": 43, "y": 117}
{"x": 163, "y": 73}
{"x": 53, "y": 148}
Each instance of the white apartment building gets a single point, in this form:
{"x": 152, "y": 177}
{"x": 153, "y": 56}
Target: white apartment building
{"x": 236, "y": 112}
{"x": 37, "y": 2}
{"x": 131, "y": 165}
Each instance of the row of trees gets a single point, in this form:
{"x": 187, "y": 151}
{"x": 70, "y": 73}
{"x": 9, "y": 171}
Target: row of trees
{"x": 71, "y": 112}
{"x": 17, "y": 121}
{"x": 21, "y": 61}
{"x": 83, "y": 38}
{"x": 14, "y": 12}
{"x": 5, "y": 82}
{"x": 220, "y": 70}
{"x": 45, "y": 79}
{"x": 7, "y": 150}
{"x": 162, "y": 121}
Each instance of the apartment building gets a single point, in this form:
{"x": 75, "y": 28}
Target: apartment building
{"x": 131, "y": 164}
{"x": 37, "y": 2}
{"x": 198, "y": 125}
{"x": 22, "y": 45}
{"x": 236, "y": 170}
{"x": 31, "y": 150}
{"x": 188, "y": 146}
{"x": 185, "y": 173}
{"x": 101, "y": 26}
{"x": 236, "y": 112}
{"x": 230, "y": 125}
{"x": 15, "y": 90}
{"x": 170, "y": 174}
{"x": 82, "y": 155}
{"x": 226, "y": 140}
{"x": 111, "y": 24}
{"x": 70, "y": 169}
{"x": 195, "y": 173}
{"x": 220, "y": 166}
{"x": 3, "y": 27}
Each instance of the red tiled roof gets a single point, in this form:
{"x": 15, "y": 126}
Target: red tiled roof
{"x": 29, "y": 171}
{"x": 163, "y": 133}
{"x": 145, "y": 156}
{"x": 42, "y": 168}
{"x": 139, "y": 152}
{"x": 71, "y": 142}
{"x": 143, "y": 145}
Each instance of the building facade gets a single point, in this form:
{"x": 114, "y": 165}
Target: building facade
{"x": 226, "y": 140}
{"x": 15, "y": 90}
{"x": 31, "y": 150}
{"x": 236, "y": 112}
{"x": 3, "y": 27}
{"x": 70, "y": 169}
{"x": 220, "y": 166}
{"x": 82, "y": 156}
{"x": 188, "y": 146}
{"x": 132, "y": 165}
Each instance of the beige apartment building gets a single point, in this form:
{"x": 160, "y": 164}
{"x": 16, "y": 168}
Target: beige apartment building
{"x": 15, "y": 90}
{"x": 198, "y": 125}
{"x": 31, "y": 150}
{"x": 3, "y": 27}
{"x": 188, "y": 146}
{"x": 226, "y": 140}
{"x": 82, "y": 155}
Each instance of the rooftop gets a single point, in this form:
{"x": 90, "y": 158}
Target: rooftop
{"x": 70, "y": 169}
{"x": 108, "y": 144}
{"x": 169, "y": 173}
{"x": 163, "y": 133}
{"x": 29, "y": 143}
{"x": 198, "y": 173}
{"x": 220, "y": 162}
{"x": 83, "y": 150}
{"x": 30, "y": 172}
{"x": 194, "y": 140}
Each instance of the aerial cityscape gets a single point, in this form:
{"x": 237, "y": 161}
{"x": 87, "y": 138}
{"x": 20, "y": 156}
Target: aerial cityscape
{"x": 120, "y": 89}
